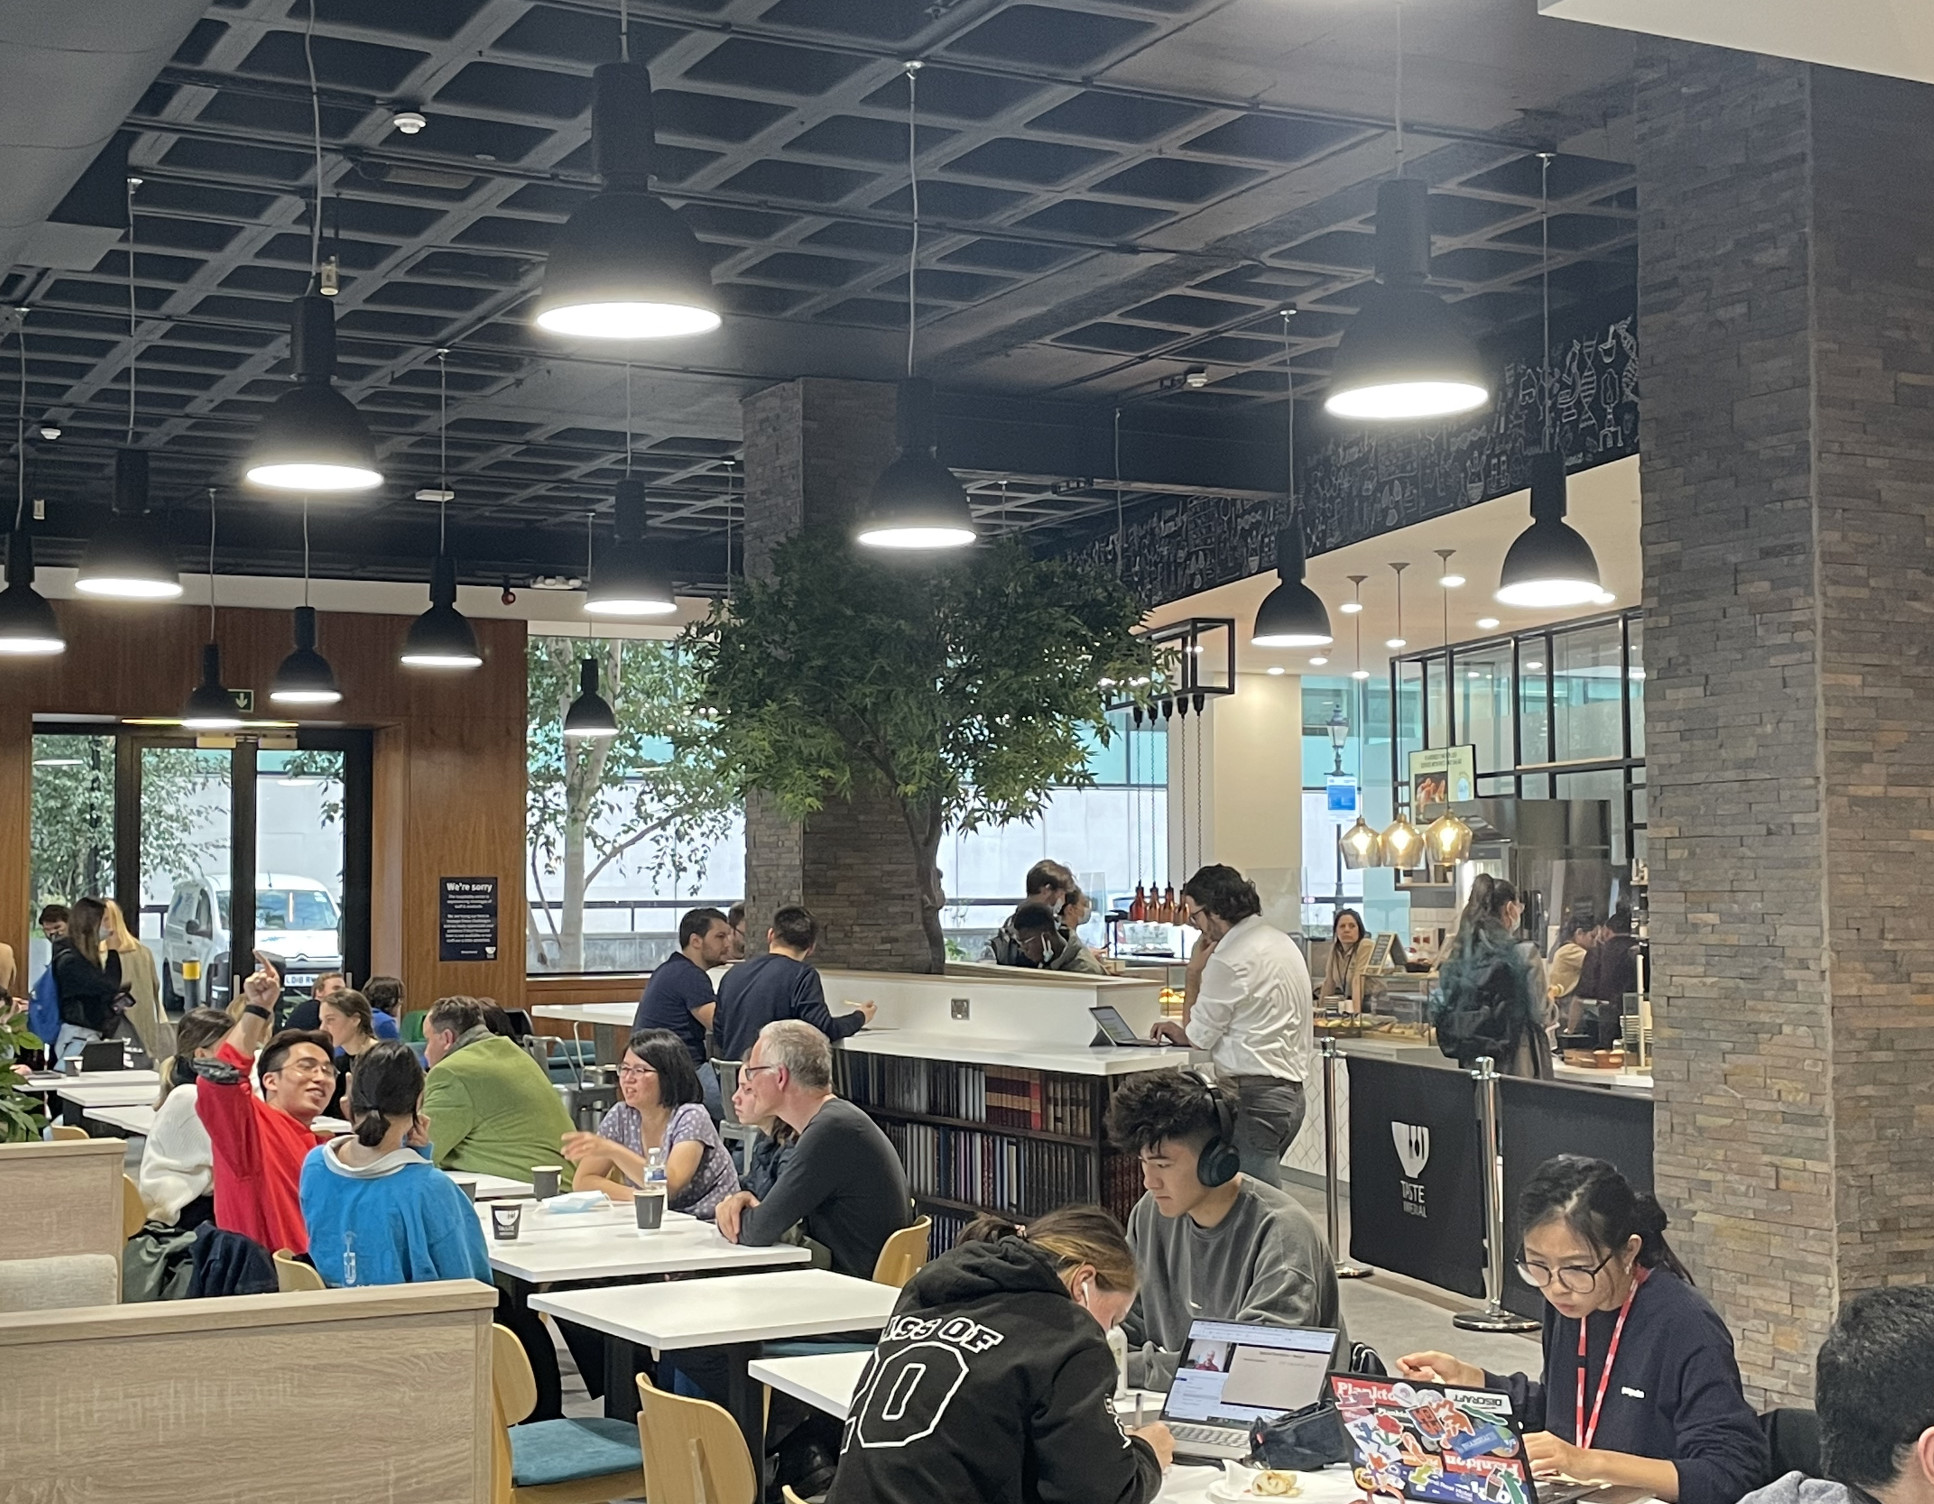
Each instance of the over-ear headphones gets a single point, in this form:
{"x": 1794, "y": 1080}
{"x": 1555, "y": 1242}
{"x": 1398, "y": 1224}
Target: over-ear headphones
{"x": 1219, "y": 1163}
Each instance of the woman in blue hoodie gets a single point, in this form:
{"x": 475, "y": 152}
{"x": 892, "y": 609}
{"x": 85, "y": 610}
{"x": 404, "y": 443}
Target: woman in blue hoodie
{"x": 379, "y": 1212}
{"x": 1640, "y": 1385}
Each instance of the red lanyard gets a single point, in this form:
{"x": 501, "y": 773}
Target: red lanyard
{"x": 1581, "y": 1433}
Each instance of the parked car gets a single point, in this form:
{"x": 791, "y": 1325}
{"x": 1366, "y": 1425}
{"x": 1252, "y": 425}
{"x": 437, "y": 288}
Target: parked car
{"x": 296, "y": 919}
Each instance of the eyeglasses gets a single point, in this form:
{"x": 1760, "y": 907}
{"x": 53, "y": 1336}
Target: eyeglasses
{"x": 1574, "y": 1279}
{"x": 304, "y": 1068}
{"x": 634, "y": 1072}
{"x": 753, "y": 1070}
{"x": 1191, "y": 915}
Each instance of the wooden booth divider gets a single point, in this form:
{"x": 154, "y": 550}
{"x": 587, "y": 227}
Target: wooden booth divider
{"x": 233, "y": 1399}
{"x": 61, "y": 1198}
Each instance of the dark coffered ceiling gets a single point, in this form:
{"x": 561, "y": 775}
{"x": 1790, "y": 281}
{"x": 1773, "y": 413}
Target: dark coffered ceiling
{"x": 1111, "y": 192}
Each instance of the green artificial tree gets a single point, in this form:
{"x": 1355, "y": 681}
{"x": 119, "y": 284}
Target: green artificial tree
{"x": 965, "y": 689}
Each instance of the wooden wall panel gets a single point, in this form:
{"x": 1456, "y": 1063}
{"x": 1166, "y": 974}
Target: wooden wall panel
{"x": 61, "y": 1198}
{"x": 449, "y": 758}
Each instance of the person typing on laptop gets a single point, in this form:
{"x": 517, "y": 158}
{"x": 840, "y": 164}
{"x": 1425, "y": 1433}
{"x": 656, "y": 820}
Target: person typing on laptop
{"x": 1640, "y": 1385}
{"x": 1211, "y": 1243}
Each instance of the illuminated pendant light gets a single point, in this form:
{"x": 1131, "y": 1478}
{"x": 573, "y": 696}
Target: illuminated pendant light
{"x": 1405, "y": 355}
{"x": 1354, "y": 605}
{"x": 313, "y": 439}
{"x": 628, "y": 580}
{"x": 1362, "y": 847}
{"x": 1447, "y": 839}
{"x": 28, "y": 626}
{"x": 590, "y": 714}
{"x": 1550, "y": 564}
{"x": 624, "y": 266}
{"x": 305, "y": 677}
{"x": 916, "y": 503}
{"x": 1292, "y": 615}
{"x": 128, "y": 559}
{"x": 1399, "y": 640}
{"x": 1402, "y": 845}
{"x": 441, "y": 637}
{"x": 211, "y": 707}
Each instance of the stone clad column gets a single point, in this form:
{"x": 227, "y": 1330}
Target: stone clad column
{"x": 813, "y": 449}
{"x": 1786, "y": 302}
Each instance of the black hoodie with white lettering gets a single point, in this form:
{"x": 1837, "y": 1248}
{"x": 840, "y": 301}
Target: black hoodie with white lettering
{"x": 990, "y": 1384}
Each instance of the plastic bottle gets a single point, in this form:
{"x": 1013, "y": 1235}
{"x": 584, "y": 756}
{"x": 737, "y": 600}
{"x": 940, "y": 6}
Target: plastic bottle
{"x": 652, "y": 1189}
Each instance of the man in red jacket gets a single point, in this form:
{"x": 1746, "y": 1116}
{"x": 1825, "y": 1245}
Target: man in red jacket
{"x": 260, "y": 1142}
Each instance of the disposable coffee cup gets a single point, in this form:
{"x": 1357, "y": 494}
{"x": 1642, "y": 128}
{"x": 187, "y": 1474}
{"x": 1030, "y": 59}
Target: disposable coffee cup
{"x": 544, "y": 1180}
{"x": 469, "y": 1189}
{"x": 650, "y": 1208}
{"x": 506, "y": 1220}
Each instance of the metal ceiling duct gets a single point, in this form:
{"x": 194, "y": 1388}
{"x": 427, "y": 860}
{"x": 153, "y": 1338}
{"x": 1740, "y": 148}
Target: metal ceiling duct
{"x": 70, "y": 75}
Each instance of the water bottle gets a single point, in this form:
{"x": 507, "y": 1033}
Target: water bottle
{"x": 650, "y": 1201}
{"x": 349, "y": 1260}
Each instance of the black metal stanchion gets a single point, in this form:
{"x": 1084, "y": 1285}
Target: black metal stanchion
{"x": 1345, "y": 1269}
{"x": 1492, "y": 1317}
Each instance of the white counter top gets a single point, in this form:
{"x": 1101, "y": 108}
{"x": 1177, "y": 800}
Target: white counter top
{"x": 1637, "y": 1083}
{"x": 966, "y": 1048}
{"x": 612, "y": 1015}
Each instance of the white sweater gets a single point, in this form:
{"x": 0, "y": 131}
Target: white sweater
{"x": 178, "y": 1163}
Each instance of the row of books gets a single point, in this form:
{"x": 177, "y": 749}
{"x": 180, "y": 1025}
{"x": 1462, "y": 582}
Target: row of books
{"x": 1016, "y": 1176}
{"x": 1002, "y": 1097}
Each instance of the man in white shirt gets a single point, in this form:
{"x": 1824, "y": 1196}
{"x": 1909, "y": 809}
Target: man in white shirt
{"x": 1247, "y": 1002}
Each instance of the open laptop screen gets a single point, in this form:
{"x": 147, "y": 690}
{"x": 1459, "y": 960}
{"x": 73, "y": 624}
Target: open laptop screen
{"x": 1234, "y": 1372}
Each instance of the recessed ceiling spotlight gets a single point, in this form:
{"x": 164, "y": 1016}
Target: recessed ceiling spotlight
{"x": 1276, "y": 670}
{"x": 1195, "y": 378}
{"x": 1360, "y": 674}
{"x": 1350, "y": 608}
{"x": 1451, "y": 581}
{"x": 1396, "y": 642}
{"x": 1486, "y": 623}
{"x": 409, "y": 122}
{"x": 1534, "y": 667}
{"x": 50, "y": 431}
{"x": 1318, "y": 661}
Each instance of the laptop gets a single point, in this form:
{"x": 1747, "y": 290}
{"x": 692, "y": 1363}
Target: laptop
{"x": 1116, "y": 1030}
{"x": 1440, "y": 1444}
{"x": 1235, "y": 1373}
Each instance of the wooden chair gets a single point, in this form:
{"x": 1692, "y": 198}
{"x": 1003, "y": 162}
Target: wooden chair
{"x": 67, "y": 1133}
{"x": 694, "y": 1451}
{"x": 791, "y": 1497}
{"x": 134, "y": 1211}
{"x": 292, "y": 1274}
{"x": 554, "y": 1461}
{"x": 903, "y": 1254}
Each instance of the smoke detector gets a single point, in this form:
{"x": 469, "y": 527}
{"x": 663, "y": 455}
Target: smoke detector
{"x": 409, "y": 122}
{"x": 50, "y": 431}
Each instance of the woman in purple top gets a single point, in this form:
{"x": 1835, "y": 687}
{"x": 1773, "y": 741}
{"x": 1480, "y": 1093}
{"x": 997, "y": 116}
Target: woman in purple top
{"x": 663, "y": 1106}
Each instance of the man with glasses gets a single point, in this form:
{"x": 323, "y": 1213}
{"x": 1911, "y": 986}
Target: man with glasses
{"x": 842, "y": 1184}
{"x": 1247, "y": 1002}
{"x": 260, "y": 1142}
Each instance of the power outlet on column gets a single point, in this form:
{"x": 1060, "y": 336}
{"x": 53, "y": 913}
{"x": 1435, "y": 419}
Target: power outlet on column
{"x": 958, "y": 1010}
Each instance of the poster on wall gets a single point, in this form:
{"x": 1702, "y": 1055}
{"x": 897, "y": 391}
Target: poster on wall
{"x": 1440, "y": 775}
{"x": 467, "y": 919}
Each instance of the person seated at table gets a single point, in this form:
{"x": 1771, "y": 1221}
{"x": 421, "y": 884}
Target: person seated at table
{"x": 259, "y": 1143}
{"x": 992, "y": 1380}
{"x": 379, "y": 1212}
{"x": 176, "y": 1176}
{"x": 1874, "y": 1399}
{"x": 1031, "y": 937}
{"x": 350, "y": 1022}
{"x": 492, "y": 1109}
{"x": 842, "y": 1184}
{"x": 1210, "y": 1242}
{"x": 1648, "y": 1361}
{"x": 662, "y": 1106}
{"x": 385, "y": 996}
{"x": 779, "y": 984}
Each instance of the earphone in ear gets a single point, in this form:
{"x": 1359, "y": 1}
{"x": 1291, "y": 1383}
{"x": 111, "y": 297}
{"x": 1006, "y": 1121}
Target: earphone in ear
{"x": 1219, "y": 1163}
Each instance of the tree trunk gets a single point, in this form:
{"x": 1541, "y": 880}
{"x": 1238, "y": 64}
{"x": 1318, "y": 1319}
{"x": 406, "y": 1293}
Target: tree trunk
{"x": 570, "y": 935}
{"x": 925, "y": 826}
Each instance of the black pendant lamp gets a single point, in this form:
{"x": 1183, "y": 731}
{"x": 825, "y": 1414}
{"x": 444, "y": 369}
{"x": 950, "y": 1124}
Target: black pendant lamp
{"x": 916, "y": 503}
{"x": 129, "y": 559}
{"x": 1550, "y": 564}
{"x": 28, "y": 626}
{"x": 628, "y": 580}
{"x": 590, "y": 714}
{"x": 313, "y": 439}
{"x": 441, "y": 637}
{"x": 1292, "y": 615}
{"x": 305, "y": 677}
{"x": 211, "y": 707}
{"x": 1405, "y": 355}
{"x": 624, "y": 266}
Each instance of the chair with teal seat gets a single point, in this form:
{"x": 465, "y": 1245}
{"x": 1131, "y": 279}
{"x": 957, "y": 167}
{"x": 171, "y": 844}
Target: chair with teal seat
{"x": 553, "y": 1461}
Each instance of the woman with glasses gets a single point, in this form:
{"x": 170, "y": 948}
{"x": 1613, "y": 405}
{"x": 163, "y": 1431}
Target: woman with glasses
{"x": 1640, "y": 1385}
{"x": 663, "y": 1107}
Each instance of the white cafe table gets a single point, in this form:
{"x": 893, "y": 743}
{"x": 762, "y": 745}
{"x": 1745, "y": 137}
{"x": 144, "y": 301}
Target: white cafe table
{"x": 137, "y": 1085}
{"x": 571, "y": 1247}
{"x": 138, "y": 1119}
{"x": 736, "y": 1314}
{"x": 825, "y": 1381}
{"x": 490, "y": 1187}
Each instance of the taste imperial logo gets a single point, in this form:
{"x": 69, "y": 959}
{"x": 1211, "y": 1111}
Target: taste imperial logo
{"x": 1413, "y": 1153}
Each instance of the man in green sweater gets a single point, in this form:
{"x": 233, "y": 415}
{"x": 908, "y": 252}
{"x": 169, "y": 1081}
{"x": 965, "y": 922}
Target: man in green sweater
{"x": 492, "y": 1109}
{"x": 1211, "y": 1244}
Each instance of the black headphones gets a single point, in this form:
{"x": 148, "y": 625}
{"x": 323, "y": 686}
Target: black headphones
{"x": 1219, "y": 1162}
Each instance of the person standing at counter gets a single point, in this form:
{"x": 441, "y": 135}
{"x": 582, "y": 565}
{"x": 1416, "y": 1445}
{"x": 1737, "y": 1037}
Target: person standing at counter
{"x": 1611, "y": 971}
{"x": 1346, "y": 975}
{"x": 1640, "y": 1384}
{"x": 1491, "y": 990}
{"x": 778, "y": 985}
{"x": 1247, "y": 1002}
{"x": 680, "y": 996}
{"x": 1566, "y": 968}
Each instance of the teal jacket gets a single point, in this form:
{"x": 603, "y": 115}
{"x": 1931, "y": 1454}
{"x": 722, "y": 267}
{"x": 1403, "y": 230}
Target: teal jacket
{"x": 401, "y": 1219}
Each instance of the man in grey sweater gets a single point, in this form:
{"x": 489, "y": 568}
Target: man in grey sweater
{"x": 1231, "y": 1250}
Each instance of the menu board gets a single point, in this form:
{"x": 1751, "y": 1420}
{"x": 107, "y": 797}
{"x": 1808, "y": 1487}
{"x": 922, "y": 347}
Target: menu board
{"x": 1439, "y": 775}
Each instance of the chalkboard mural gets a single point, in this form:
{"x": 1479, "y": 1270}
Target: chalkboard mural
{"x": 1367, "y": 482}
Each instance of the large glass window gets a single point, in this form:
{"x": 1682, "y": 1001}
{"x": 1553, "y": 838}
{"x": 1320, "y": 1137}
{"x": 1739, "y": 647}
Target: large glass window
{"x": 187, "y": 868}
{"x": 1588, "y": 692}
{"x": 1481, "y": 688}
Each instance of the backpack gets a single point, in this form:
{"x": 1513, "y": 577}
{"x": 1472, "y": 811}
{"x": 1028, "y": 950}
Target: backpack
{"x": 1481, "y": 1006}
{"x": 43, "y": 1009}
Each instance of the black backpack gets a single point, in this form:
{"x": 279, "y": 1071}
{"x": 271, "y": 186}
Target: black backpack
{"x": 1481, "y": 1007}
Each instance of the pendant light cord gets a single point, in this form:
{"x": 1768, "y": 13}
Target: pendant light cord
{"x": 305, "y": 551}
{"x": 1399, "y": 109}
{"x": 1544, "y": 278}
{"x": 442, "y": 420}
{"x": 913, "y": 188}
{"x": 211, "y": 563}
{"x": 624, "y": 31}
{"x": 133, "y": 182}
{"x": 1120, "y": 529}
{"x": 315, "y": 122}
{"x": 1289, "y": 388}
{"x": 627, "y": 420}
{"x": 20, "y": 434}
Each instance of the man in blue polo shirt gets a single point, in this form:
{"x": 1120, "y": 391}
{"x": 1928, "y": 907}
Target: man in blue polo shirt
{"x": 779, "y": 985}
{"x": 679, "y": 995}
